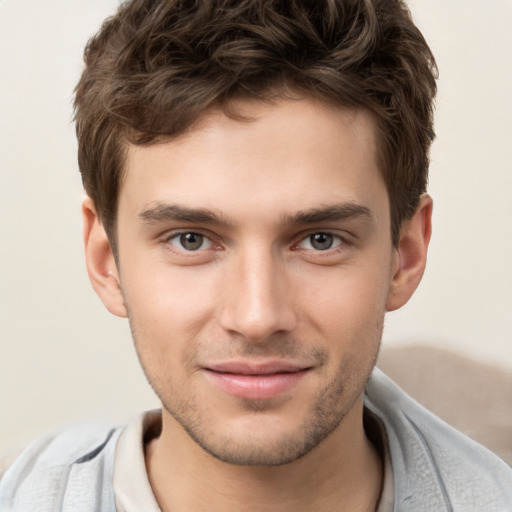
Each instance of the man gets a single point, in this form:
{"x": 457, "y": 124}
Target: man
{"x": 256, "y": 175}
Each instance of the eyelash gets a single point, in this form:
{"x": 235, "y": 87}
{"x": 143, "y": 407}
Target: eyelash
{"x": 177, "y": 235}
{"x": 337, "y": 239}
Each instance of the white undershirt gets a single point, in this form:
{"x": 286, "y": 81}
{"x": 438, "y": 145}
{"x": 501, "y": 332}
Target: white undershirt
{"x": 132, "y": 490}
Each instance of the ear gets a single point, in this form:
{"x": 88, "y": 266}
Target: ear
{"x": 100, "y": 261}
{"x": 411, "y": 255}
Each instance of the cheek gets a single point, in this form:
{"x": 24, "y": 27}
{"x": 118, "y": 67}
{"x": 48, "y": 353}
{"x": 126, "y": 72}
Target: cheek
{"x": 344, "y": 295}
{"x": 170, "y": 301}
{"x": 347, "y": 310}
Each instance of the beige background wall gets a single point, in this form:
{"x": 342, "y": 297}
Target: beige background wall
{"x": 63, "y": 358}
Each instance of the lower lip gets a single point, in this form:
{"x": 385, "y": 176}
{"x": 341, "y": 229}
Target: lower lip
{"x": 255, "y": 387}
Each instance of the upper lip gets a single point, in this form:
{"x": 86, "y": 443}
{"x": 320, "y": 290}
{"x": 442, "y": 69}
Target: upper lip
{"x": 256, "y": 368}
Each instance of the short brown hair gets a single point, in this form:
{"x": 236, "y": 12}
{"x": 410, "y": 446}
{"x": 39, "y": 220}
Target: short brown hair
{"x": 157, "y": 65}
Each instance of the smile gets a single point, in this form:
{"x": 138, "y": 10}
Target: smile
{"x": 255, "y": 381}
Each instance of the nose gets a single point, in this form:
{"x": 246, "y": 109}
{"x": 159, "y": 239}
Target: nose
{"x": 257, "y": 300}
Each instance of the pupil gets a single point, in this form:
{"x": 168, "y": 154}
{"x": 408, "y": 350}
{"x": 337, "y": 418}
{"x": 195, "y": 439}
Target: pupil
{"x": 191, "y": 241}
{"x": 321, "y": 241}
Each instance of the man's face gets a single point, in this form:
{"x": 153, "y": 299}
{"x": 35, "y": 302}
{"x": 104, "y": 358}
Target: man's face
{"x": 255, "y": 261}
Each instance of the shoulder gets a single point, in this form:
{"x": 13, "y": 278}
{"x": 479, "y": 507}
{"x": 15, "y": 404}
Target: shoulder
{"x": 434, "y": 464}
{"x": 79, "y": 459}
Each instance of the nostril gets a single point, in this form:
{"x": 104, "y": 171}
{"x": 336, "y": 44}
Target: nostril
{"x": 258, "y": 324}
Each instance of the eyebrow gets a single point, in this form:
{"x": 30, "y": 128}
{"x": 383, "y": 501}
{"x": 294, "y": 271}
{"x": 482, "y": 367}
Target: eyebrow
{"x": 330, "y": 213}
{"x": 164, "y": 212}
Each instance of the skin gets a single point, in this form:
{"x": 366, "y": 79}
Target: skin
{"x": 261, "y": 243}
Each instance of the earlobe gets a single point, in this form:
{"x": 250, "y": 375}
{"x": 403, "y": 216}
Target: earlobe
{"x": 411, "y": 255}
{"x": 100, "y": 261}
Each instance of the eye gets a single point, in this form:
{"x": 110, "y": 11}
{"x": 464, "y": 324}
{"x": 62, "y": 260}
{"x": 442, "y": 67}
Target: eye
{"x": 320, "y": 241}
{"x": 190, "y": 241}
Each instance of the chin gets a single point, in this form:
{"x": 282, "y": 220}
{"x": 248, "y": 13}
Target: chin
{"x": 263, "y": 439}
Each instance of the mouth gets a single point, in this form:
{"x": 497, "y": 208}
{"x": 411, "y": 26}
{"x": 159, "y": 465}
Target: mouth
{"x": 256, "y": 381}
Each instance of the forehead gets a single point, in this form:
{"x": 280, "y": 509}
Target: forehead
{"x": 288, "y": 152}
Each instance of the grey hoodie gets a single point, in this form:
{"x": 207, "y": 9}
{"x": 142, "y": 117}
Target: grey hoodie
{"x": 435, "y": 467}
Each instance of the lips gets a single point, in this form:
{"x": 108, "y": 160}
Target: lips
{"x": 256, "y": 381}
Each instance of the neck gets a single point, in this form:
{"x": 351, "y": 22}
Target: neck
{"x": 344, "y": 472}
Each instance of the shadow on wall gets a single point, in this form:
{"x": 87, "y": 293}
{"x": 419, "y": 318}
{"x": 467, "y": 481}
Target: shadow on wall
{"x": 474, "y": 397}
